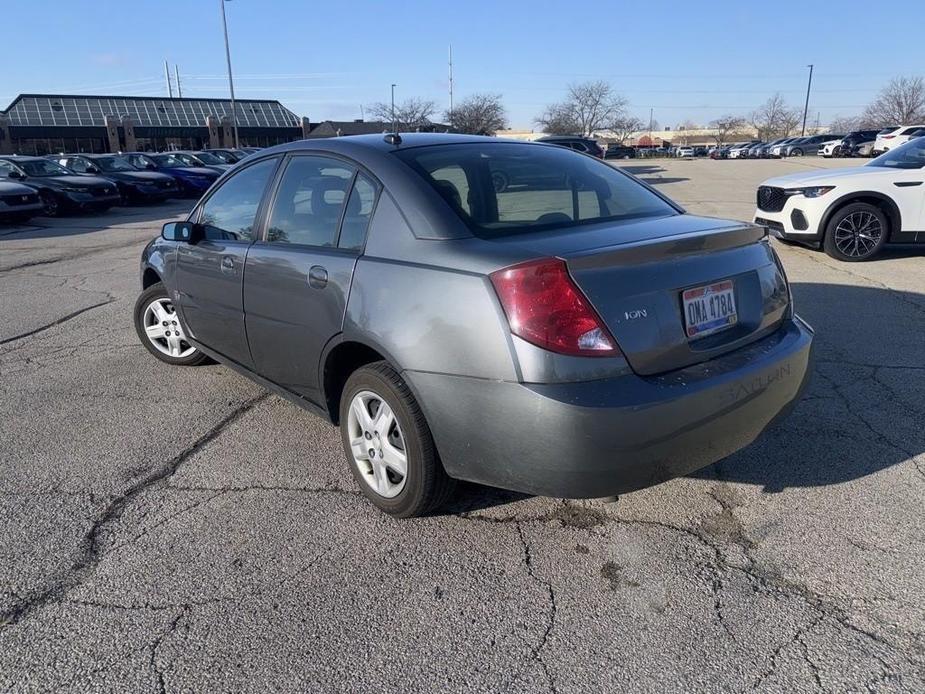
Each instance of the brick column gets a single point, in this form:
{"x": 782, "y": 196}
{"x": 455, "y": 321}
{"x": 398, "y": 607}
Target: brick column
{"x": 112, "y": 132}
{"x": 128, "y": 126}
{"x": 212, "y": 124}
{"x": 227, "y": 133}
{"x": 6, "y": 140}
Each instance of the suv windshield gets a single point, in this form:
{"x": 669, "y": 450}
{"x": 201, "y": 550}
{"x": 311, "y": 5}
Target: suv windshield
{"x": 207, "y": 158}
{"x": 908, "y": 156}
{"x": 113, "y": 164}
{"x": 501, "y": 189}
{"x": 225, "y": 157}
{"x": 43, "y": 167}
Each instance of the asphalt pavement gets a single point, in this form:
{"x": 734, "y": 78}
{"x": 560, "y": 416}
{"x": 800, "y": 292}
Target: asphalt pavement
{"x": 179, "y": 529}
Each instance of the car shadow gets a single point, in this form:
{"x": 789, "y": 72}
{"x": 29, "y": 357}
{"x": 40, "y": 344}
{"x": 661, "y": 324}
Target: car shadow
{"x": 88, "y": 222}
{"x": 861, "y": 413}
{"x": 652, "y": 175}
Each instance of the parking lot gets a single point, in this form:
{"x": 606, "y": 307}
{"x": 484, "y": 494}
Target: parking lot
{"x": 179, "y": 529}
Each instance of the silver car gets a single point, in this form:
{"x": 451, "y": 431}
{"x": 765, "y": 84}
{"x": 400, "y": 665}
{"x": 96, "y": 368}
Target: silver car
{"x": 513, "y": 314}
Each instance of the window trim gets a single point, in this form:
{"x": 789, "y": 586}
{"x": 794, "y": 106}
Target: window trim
{"x": 277, "y": 180}
{"x": 196, "y": 215}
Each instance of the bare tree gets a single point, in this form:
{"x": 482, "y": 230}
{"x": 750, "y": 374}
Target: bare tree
{"x": 726, "y": 127}
{"x": 775, "y": 118}
{"x": 479, "y": 114}
{"x": 901, "y": 102}
{"x": 845, "y": 124}
{"x": 624, "y": 126}
{"x": 409, "y": 114}
{"x": 588, "y": 106}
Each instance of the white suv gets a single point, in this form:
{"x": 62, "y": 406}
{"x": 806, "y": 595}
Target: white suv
{"x": 887, "y": 140}
{"x": 851, "y": 212}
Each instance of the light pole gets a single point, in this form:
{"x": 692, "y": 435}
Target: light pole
{"x": 234, "y": 112}
{"x": 806, "y": 106}
{"x": 393, "y": 107}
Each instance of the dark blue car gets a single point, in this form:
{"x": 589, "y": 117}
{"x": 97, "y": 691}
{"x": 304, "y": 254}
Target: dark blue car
{"x": 193, "y": 180}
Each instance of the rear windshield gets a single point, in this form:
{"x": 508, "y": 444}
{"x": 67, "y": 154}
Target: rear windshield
{"x": 501, "y": 189}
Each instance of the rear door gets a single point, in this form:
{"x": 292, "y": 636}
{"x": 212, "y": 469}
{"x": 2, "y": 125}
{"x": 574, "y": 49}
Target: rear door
{"x": 210, "y": 273}
{"x": 298, "y": 277}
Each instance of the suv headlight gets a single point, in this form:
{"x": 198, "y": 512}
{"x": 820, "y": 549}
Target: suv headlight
{"x": 812, "y": 192}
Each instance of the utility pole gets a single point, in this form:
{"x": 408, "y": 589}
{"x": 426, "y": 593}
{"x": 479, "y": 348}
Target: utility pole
{"x": 234, "y": 112}
{"x": 167, "y": 77}
{"x": 393, "y": 108}
{"x": 451, "y": 77}
{"x": 809, "y": 86}
{"x": 651, "y": 111}
{"x": 176, "y": 70}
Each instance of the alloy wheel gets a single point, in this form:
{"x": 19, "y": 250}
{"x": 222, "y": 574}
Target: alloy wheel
{"x": 51, "y": 204}
{"x": 858, "y": 234}
{"x": 377, "y": 444}
{"x": 164, "y": 331}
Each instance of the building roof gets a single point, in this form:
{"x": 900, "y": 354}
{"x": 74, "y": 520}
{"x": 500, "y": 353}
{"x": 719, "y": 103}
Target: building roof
{"x": 145, "y": 111}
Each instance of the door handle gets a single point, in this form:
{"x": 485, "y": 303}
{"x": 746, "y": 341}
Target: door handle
{"x": 227, "y": 264}
{"x": 317, "y": 277}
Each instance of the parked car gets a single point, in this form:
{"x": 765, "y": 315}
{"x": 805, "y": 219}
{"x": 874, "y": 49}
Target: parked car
{"x": 777, "y": 151}
{"x": 831, "y": 149}
{"x": 59, "y": 189}
{"x": 887, "y": 140}
{"x": 620, "y": 152}
{"x": 719, "y": 153}
{"x": 685, "y": 152}
{"x": 203, "y": 159}
{"x": 852, "y": 213}
{"x": 764, "y": 151}
{"x": 134, "y": 185}
{"x": 192, "y": 180}
{"x": 753, "y": 152}
{"x": 18, "y": 203}
{"x": 700, "y": 151}
{"x": 585, "y": 145}
{"x": 858, "y": 143}
{"x": 384, "y": 284}
{"x": 807, "y": 146}
{"x": 228, "y": 156}
{"x": 735, "y": 151}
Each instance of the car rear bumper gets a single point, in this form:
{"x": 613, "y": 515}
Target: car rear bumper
{"x": 605, "y": 437}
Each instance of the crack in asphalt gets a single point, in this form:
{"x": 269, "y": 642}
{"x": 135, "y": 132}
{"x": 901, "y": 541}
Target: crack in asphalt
{"x": 85, "y": 251}
{"x": 537, "y": 655}
{"x": 91, "y": 553}
{"x": 56, "y": 322}
{"x": 796, "y": 638}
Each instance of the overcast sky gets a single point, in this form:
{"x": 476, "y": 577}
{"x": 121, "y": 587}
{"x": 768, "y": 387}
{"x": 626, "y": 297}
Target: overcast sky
{"x": 328, "y": 59}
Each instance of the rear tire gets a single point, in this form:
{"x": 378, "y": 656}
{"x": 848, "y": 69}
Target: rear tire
{"x": 398, "y": 432}
{"x": 154, "y": 301}
{"x": 856, "y": 232}
{"x": 52, "y": 208}
{"x": 796, "y": 153}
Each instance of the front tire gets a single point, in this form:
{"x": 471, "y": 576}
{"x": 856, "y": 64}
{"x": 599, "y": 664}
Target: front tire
{"x": 389, "y": 445}
{"x": 50, "y": 201}
{"x": 796, "y": 153}
{"x": 856, "y": 232}
{"x": 159, "y": 329}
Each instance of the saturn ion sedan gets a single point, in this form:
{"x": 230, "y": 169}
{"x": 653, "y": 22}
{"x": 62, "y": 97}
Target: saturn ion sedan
{"x": 573, "y": 333}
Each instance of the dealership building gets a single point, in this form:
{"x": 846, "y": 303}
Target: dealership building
{"x": 50, "y": 123}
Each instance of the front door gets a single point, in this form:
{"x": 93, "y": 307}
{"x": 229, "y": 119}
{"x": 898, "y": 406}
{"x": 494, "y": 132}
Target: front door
{"x": 298, "y": 279}
{"x": 210, "y": 272}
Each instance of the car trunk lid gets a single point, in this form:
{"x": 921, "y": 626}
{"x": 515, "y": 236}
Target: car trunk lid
{"x": 637, "y": 284}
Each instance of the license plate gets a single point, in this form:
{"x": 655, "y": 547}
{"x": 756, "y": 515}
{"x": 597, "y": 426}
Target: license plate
{"x": 709, "y": 309}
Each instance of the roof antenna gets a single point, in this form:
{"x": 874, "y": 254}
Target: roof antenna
{"x": 393, "y": 138}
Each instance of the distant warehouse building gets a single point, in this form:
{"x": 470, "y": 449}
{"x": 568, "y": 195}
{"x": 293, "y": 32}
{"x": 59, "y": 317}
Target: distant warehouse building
{"x": 51, "y": 123}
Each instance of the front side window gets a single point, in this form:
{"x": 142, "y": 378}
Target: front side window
{"x": 207, "y": 158}
{"x": 230, "y": 212}
{"x": 169, "y": 161}
{"x": 516, "y": 188}
{"x": 78, "y": 165}
{"x": 6, "y": 169}
{"x": 908, "y": 156}
{"x": 309, "y": 202}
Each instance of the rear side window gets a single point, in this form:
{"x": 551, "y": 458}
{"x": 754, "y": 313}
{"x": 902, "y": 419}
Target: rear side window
{"x": 230, "y": 212}
{"x": 310, "y": 201}
{"x": 500, "y": 189}
{"x": 360, "y": 206}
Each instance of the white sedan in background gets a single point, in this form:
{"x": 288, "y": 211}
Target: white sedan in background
{"x": 684, "y": 152}
{"x": 852, "y": 213}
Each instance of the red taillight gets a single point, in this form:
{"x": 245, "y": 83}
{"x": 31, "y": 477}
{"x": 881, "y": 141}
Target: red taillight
{"x": 545, "y": 307}
{"x": 888, "y": 137}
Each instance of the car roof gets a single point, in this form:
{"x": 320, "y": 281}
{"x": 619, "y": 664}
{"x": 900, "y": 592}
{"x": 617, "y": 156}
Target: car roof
{"x": 21, "y": 157}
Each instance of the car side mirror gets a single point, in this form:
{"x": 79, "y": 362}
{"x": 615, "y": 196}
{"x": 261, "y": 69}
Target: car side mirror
{"x": 16, "y": 174}
{"x": 186, "y": 232}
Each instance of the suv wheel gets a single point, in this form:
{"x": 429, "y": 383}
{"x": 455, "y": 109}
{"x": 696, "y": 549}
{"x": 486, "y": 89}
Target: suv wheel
{"x": 389, "y": 445}
{"x": 856, "y": 232}
{"x": 796, "y": 152}
{"x": 51, "y": 204}
{"x": 159, "y": 329}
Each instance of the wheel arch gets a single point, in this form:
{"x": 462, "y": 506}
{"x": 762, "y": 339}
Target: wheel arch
{"x": 879, "y": 200}
{"x": 341, "y": 358}
{"x": 149, "y": 277}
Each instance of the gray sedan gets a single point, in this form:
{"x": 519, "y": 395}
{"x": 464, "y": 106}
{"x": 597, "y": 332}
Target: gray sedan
{"x": 512, "y": 314}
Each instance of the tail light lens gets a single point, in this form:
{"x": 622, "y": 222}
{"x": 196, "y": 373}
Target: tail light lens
{"x": 888, "y": 137}
{"x": 546, "y": 308}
